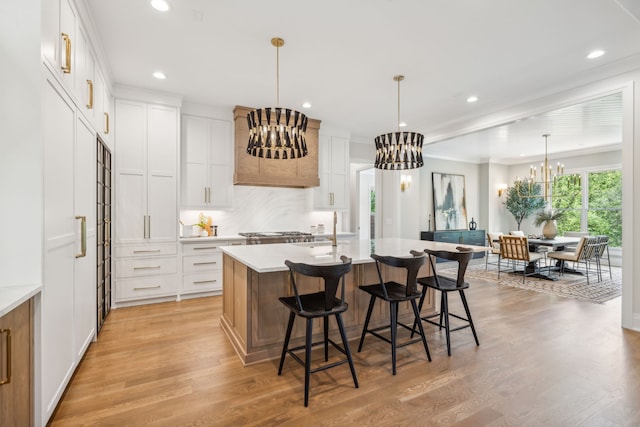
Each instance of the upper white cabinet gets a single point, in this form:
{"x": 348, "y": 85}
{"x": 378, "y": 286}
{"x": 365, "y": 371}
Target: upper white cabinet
{"x": 146, "y": 138}
{"x": 207, "y": 171}
{"x": 69, "y": 55}
{"x": 333, "y": 191}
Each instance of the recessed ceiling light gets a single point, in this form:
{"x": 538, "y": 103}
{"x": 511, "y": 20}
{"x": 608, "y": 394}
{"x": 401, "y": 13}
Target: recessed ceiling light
{"x": 403, "y": 125}
{"x": 472, "y": 99}
{"x": 159, "y": 75}
{"x": 595, "y": 54}
{"x": 306, "y": 105}
{"x": 160, "y": 5}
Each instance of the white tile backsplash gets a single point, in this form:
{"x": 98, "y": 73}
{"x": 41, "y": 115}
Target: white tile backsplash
{"x": 268, "y": 209}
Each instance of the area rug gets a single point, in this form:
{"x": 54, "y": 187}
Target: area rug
{"x": 568, "y": 285}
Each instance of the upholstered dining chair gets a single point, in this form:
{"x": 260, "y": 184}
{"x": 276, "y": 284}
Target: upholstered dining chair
{"x": 586, "y": 253}
{"x": 322, "y": 304}
{"x": 516, "y": 249}
{"x": 493, "y": 239}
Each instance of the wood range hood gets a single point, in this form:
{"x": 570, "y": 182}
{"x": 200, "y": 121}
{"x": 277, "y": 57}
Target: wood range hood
{"x": 249, "y": 170}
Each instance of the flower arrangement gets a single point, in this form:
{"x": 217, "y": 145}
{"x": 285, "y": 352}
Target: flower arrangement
{"x": 548, "y": 215}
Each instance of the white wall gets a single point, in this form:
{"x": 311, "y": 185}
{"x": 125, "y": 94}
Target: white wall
{"x": 21, "y": 188}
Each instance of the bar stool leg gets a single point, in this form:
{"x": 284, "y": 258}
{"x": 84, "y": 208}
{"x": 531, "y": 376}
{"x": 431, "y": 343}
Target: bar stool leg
{"x": 326, "y": 338}
{"x": 345, "y": 344}
{"x": 466, "y": 309}
{"x": 445, "y": 311}
{"x": 416, "y": 312}
{"x": 393, "y": 318}
{"x": 307, "y": 361}
{"x": 292, "y": 317}
{"x": 366, "y": 322}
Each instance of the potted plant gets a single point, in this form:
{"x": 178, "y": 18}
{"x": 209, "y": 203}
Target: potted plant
{"x": 548, "y": 217}
{"x": 522, "y": 200}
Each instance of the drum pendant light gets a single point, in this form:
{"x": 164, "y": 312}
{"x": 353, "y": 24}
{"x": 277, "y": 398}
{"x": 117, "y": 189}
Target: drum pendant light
{"x": 274, "y": 132}
{"x": 399, "y": 150}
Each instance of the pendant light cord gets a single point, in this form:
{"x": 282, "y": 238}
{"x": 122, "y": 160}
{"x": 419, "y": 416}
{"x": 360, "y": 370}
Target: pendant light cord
{"x": 399, "y": 104}
{"x": 277, "y": 76}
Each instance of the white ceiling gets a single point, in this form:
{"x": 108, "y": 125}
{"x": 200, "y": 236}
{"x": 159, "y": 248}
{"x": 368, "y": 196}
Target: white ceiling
{"x": 341, "y": 56}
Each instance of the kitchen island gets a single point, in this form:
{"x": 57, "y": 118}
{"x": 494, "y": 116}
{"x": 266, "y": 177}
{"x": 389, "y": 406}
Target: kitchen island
{"x": 256, "y": 276}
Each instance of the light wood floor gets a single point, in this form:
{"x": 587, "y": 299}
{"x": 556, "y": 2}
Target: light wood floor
{"x": 542, "y": 361}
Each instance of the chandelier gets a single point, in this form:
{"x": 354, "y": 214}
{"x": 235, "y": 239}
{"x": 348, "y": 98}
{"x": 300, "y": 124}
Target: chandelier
{"x": 399, "y": 150}
{"x": 277, "y": 133}
{"x": 546, "y": 177}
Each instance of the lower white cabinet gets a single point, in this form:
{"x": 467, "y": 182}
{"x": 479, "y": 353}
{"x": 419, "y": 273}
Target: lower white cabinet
{"x": 202, "y": 266}
{"x": 146, "y": 272}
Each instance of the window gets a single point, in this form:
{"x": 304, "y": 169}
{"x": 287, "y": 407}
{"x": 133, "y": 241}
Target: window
{"x": 593, "y": 203}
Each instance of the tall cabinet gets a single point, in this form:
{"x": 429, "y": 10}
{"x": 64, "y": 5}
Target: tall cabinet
{"x": 146, "y": 211}
{"x": 69, "y": 285}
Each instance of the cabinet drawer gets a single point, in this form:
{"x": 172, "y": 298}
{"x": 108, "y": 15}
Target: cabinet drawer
{"x": 137, "y": 267}
{"x": 207, "y": 247}
{"x": 208, "y": 262}
{"x": 202, "y": 282}
{"x": 145, "y": 250}
{"x": 146, "y": 287}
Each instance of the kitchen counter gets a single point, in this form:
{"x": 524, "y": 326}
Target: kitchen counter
{"x": 255, "y": 277}
{"x": 270, "y": 258}
{"x": 12, "y": 296}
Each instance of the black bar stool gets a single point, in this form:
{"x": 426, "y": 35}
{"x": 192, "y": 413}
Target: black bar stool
{"x": 446, "y": 285}
{"x": 319, "y": 304}
{"x": 393, "y": 293}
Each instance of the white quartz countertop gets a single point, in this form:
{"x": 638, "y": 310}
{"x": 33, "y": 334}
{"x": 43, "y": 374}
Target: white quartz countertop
{"x": 269, "y": 258}
{"x": 12, "y": 296}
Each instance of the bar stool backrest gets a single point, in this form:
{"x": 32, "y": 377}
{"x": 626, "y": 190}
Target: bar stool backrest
{"x": 412, "y": 265}
{"x": 462, "y": 257}
{"x": 332, "y": 275}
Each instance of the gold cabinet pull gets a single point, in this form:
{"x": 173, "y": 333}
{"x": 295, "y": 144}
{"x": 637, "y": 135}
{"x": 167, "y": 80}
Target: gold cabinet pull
{"x": 90, "y": 87}
{"x": 66, "y": 68}
{"x": 106, "y": 123}
{"x": 149, "y": 267}
{"x": 202, "y": 282}
{"x": 107, "y": 231}
{"x": 205, "y": 263}
{"x": 202, "y": 248}
{"x": 7, "y": 380}
{"x": 146, "y": 287}
{"x": 83, "y": 236}
{"x": 146, "y": 251}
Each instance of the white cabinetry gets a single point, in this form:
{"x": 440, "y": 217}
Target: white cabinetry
{"x": 146, "y": 169}
{"x": 69, "y": 289}
{"x": 333, "y": 191}
{"x": 146, "y": 218}
{"x": 202, "y": 266}
{"x": 207, "y": 171}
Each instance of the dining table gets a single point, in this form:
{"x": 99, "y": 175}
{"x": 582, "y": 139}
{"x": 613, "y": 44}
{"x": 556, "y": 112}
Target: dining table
{"x": 558, "y": 243}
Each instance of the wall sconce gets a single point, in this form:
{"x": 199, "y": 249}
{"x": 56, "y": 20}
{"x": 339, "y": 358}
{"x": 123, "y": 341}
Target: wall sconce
{"x": 501, "y": 188}
{"x": 405, "y": 182}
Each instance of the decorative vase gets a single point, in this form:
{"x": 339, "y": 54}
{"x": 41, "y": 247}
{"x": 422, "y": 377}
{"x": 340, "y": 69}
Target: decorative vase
{"x": 472, "y": 224}
{"x": 550, "y": 231}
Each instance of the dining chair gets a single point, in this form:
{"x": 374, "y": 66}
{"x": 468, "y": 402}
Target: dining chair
{"x": 586, "y": 253}
{"x": 604, "y": 247}
{"x": 393, "y": 293}
{"x": 445, "y": 285}
{"x": 494, "y": 241}
{"x": 516, "y": 249}
{"x": 322, "y": 304}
